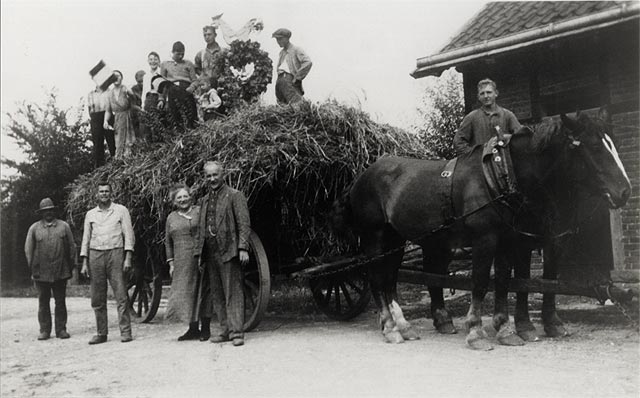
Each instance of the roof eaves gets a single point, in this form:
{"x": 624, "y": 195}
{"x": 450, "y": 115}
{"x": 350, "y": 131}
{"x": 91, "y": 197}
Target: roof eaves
{"x": 435, "y": 64}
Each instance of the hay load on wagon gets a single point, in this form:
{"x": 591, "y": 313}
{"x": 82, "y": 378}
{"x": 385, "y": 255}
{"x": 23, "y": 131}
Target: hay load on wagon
{"x": 291, "y": 163}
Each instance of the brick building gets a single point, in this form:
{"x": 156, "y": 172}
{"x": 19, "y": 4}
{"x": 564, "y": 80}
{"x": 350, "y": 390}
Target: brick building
{"x": 555, "y": 57}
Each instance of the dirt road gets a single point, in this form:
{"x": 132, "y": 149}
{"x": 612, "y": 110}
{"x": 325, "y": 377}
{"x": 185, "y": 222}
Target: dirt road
{"x": 311, "y": 357}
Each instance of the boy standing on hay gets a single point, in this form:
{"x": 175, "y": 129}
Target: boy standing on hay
{"x": 107, "y": 248}
{"x": 97, "y": 104}
{"x": 205, "y": 60}
{"x": 223, "y": 247}
{"x": 293, "y": 66}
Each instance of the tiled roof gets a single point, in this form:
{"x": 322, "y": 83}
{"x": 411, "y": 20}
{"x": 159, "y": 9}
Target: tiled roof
{"x": 505, "y": 18}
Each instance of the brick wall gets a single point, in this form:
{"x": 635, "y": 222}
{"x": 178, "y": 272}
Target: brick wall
{"x": 622, "y": 68}
{"x": 568, "y": 72}
{"x": 626, "y": 132}
{"x": 515, "y": 95}
{"x": 561, "y": 74}
{"x": 623, "y": 82}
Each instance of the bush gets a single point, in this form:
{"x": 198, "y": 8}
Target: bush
{"x": 442, "y": 112}
{"x": 57, "y": 152}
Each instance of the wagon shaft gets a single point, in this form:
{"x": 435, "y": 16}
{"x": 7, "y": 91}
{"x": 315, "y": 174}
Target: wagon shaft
{"x": 518, "y": 285}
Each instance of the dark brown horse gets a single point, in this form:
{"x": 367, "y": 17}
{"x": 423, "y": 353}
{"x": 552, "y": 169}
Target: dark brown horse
{"x": 397, "y": 200}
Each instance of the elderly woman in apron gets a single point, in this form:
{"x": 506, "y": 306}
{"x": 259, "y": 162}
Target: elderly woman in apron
{"x": 180, "y": 238}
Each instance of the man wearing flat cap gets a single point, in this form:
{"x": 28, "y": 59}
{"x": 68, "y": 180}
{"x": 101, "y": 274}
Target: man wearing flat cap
{"x": 293, "y": 66}
{"x": 51, "y": 255}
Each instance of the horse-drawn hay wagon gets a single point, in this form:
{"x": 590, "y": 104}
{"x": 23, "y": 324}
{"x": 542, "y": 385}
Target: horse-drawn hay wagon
{"x": 292, "y": 164}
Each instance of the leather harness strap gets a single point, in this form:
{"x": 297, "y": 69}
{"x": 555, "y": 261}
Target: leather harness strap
{"x": 497, "y": 166}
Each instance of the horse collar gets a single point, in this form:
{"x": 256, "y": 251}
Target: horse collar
{"x": 497, "y": 166}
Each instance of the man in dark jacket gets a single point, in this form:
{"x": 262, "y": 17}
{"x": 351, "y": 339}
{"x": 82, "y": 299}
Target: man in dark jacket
{"x": 483, "y": 123}
{"x": 223, "y": 246}
{"x": 51, "y": 253}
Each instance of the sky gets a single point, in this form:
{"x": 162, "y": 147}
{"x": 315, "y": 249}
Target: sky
{"x": 362, "y": 51}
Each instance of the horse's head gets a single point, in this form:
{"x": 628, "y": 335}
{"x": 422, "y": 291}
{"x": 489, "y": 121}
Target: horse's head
{"x": 605, "y": 173}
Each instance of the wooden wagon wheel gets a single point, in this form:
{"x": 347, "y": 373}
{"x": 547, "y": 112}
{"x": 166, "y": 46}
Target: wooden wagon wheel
{"x": 144, "y": 293}
{"x": 257, "y": 283}
{"x": 341, "y": 296}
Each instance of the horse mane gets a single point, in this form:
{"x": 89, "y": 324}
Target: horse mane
{"x": 544, "y": 134}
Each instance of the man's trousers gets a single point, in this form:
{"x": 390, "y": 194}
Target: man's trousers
{"x": 59, "y": 289}
{"x": 226, "y": 280}
{"x": 98, "y": 136}
{"x": 103, "y": 265}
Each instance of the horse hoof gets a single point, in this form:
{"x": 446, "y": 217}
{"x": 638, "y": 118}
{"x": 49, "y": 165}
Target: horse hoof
{"x": 477, "y": 340}
{"x": 443, "y": 322}
{"x": 529, "y": 335}
{"x": 490, "y": 331}
{"x": 409, "y": 334}
{"x": 393, "y": 337}
{"x": 507, "y": 336}
{"x": 446, "y": 328}
{"x": 556, "y": 331}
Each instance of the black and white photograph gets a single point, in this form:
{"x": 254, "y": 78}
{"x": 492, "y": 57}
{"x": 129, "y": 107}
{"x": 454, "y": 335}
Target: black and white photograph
{"x": 320, "y": 198}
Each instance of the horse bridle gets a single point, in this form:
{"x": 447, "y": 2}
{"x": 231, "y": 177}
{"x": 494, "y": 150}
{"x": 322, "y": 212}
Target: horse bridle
{"x": 574, "y": 143}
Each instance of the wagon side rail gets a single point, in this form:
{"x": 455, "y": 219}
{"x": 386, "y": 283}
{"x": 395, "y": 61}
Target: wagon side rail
{"x": 409, "y": 273}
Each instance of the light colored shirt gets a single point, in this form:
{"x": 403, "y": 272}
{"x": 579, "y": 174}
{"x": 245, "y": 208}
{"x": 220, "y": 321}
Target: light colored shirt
{"x": 146, "y": 84}
{"x": 284, "y": 67}
{"x": 174, "y": 71}
{"x": 97, "y": 101}
{"x": 205, "y": 62}
{"x": 106, "y": 229}
{"x": 297, "y": 61}
{"x": 50, "y": 250}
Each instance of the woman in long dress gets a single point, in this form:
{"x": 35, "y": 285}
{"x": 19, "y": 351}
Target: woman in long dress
{"x": 121, "y": 106}
{"x": 180, "y": 235}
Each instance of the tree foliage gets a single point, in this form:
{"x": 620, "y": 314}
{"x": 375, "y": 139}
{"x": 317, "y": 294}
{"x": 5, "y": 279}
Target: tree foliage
{"x": 441, "y": 112}
{"x": 57, "y": 150}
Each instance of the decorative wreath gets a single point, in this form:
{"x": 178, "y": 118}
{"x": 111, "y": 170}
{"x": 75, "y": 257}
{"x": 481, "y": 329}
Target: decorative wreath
{"x": 246, "y": 70}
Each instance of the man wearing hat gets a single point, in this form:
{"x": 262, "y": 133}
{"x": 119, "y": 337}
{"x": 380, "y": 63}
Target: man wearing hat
{"x": 51, "y": 254}
{"x": 293, "y": 66}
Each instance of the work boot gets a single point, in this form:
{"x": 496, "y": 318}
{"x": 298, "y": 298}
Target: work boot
{"x": 44, "y": 336}
{"x": 192, "y": 333}
{"x": 63, "y": 334}
{"x": 98, "y": 339}
{"x": 205, "y": 330}
{"x": 238, "y": 341}
{"x": 219, "y": 339}
{"x": 125, "y": 338}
